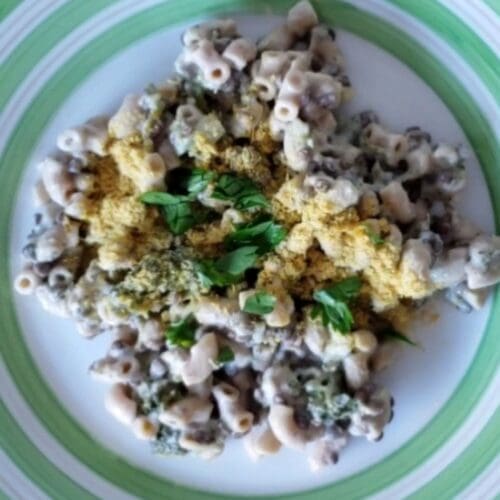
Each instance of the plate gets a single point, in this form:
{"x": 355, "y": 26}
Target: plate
{"x": 414, "y": 64}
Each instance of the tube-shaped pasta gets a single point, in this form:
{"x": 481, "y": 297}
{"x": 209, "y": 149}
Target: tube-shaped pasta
{"x": 57, "y": 181}
{"x": 416, "y": 257}
{"x": 127, "y": 119}
{"x": 261, "y": 441}
{"x": 231, "y": 412}
{"x": 240, "y": 52}
{"x": 214, "y": 69}
{"x": 145, "y": 428}
{"x": 60, "y": 276}
{"x": 449, "y": 270}
{"x": 209, "y": 30}
{"x": 297, "y": 144}
{"x": 324, "y": 90}
{"x": 91, "y": 137}
{"x": 151, "y": 334}
{"x": 365, "y": 341}
{"x": 301, "y": 18}
{"x": 201, "y": 361}
{"x": 368, "y": 205}
{"x": 152, "y": 176}
{"x": 85, "y": 182}
{"x": 397, "y": 202}
{"x": 168, "y": 154}
{"x": 203, "y": 450}
{"x": 320, "y": 118}
{"x": 393, "y": 147}
{"x": 51, "y": 244}
{"x": 122, "y": 369}
{"x": 283, "y": 425}
{"x": 324, "y": 50}
{"x": 40, "y": 194}
{"x": 185, "y": 412}
{"x": 121, "y": 404}
{"x": 26, "y": 281}
{"x": 281, "y": 38}
{"x": 483, "y": 270}
{"x": 77, "y": 206}
{"x": 292, "y": 90}
{"x": 356, "y": 369}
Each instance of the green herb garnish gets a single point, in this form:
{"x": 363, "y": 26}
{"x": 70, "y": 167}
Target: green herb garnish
{"x": 263, "y": 232}
{"x": 241, "y": 191}
{"x": 189, "y": 181}
{"x": 228, "y": 269}
{"x": 260, "y": 303}
{"x": 180, "y": 212}
{"x": 226, "y": 355}
{"x": 375, "y": 238}
{"x": 333, "y": 304}
{"x": 395, "y": 335}
{"x": 182, "y": 334}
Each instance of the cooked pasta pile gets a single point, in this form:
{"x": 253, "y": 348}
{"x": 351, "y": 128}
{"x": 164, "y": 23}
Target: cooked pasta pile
{"x": 253, "y": 254}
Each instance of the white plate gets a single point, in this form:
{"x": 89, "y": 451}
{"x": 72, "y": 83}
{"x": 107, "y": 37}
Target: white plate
{"x": 427, "y": 384}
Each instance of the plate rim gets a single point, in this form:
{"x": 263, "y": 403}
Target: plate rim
{"x": 336, "y": 9}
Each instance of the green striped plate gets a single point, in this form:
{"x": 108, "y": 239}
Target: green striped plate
{"x": 428, "y": 63}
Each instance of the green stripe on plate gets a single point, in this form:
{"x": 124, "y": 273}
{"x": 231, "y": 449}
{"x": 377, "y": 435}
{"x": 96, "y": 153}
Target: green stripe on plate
{"x": 34, "y": 464}
{"x": 494, "y": 5}
{"x": 32, "y": 124}
{"x": 456, "y": 477}
{"x": 7, "y": 6}
{"x": 41, "y": 40}
{"x": 460, "y": 37}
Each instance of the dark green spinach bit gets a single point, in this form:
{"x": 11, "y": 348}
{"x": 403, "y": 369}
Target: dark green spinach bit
{"x": 226, "y": 355}
{"x": 182, "y": 334}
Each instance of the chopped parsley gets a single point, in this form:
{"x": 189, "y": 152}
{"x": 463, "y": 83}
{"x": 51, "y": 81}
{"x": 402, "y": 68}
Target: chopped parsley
{"x": 228, "y": 269}
{"x": 182, "y": 334}
{"x": 375, "y": 238}
{"x": 262, "y": 232}
{"x": 241, "y": 191}
{"x": 180, "y": 211}
{"x": 333, "y": 304}
{"x": 191, "y": 181}
{"x": 393, "y": 334}
{"x": 260, "y": 303}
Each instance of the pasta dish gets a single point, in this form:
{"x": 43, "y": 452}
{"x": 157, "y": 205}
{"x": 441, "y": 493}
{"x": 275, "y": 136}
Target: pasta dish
{"x": 253, "y": 254}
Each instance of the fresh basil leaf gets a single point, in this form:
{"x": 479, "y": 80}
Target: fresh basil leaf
{"x": 182, "y": 334}
{"x": 262, "y": 232}
{"x": 260, "y": 303}
{"x": 241, "y": 191}
{"x": 395, "y": 335}
{"x": 226, "y": 355}
{"x": 333, "y": 304}
{"x": 375, "y": 238}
